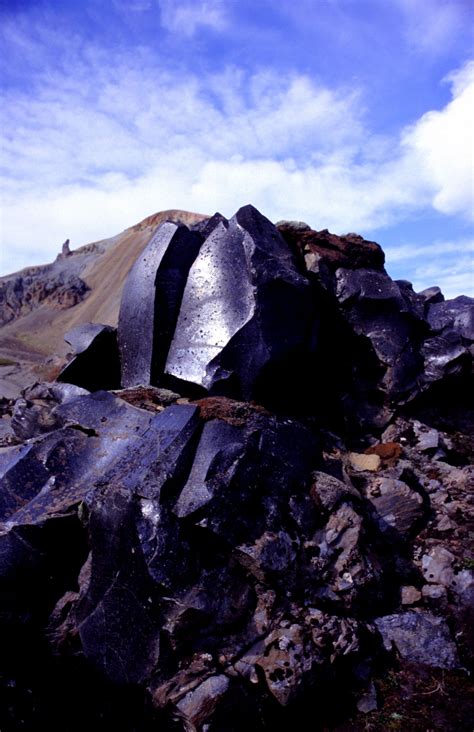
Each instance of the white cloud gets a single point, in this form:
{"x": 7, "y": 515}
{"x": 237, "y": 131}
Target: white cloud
{"x": 99, "y": 148}
{"x": 433, "y": 26}
{"x": 454, "y": 277}
{"x": 406, "y": 252}
{"x": 440, "y": 147}
{"x": 186, "y": 16}
{"x": 448, "y": 264}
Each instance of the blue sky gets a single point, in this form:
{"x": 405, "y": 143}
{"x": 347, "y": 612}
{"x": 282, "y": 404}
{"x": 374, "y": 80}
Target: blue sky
{"x": 353, "y": 115}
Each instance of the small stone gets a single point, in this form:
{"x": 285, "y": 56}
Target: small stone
{"x": 436, "y": 566}
{"x": 200, "y": 703}
{"x": 432, "y": 486}
{"x": 445, "y": 524}
{"x": 427, "y": 438}
{"x": 329, "y": 491}
{"x": 368, "y": 701}
{"x": 463, "y": 586}
{"x": 362, "y": 462}
{"x": 398, "y": 506}
{"x": 410, "y": 595}
{"x": 389, "y": 452}
{"x": 434, "y": 592}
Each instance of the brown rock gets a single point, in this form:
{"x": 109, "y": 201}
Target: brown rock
{"x": 230, "y": 411}
{"x": 389, "y": 452}
{"x": 351, "y": 251}
{"x": 410, "y": 595}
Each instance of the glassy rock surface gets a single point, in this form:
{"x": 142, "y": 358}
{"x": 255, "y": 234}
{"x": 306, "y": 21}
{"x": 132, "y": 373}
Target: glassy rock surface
{"x": 272, "y": 510}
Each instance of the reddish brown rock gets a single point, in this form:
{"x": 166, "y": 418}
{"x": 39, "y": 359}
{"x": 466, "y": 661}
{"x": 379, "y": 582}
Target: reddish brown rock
{"x": 351, "y": 251}
{"x": 229, "y": 410}
{"x": 388, "y": 452}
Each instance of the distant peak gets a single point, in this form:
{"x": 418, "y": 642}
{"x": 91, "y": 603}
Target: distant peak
{"x": 180, "y": 217}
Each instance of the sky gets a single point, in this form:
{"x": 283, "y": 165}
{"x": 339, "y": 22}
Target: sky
{"x": 351, "y": 115}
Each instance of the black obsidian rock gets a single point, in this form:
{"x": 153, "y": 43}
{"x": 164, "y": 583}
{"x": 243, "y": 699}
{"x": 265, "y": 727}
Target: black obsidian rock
{"x": 96, "y": 363}
{"x": 151, "y": 301}
{"x": 245, "y": 308}
{"x": 216, "y": 559}
{"x": 447, "y": 352}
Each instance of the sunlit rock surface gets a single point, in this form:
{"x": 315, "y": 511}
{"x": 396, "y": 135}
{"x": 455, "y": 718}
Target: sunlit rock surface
{"x": 273, "y": 509}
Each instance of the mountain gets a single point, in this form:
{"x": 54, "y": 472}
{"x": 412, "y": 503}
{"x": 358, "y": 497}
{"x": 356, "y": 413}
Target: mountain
{"x": 38, "y": 305}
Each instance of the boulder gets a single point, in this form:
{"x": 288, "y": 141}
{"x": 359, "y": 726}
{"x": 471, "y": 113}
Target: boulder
{"x": 419, "y": 637}
{"x": 447, "y": 352}
{"x": 351, "y": 250}
{"x": 151, "y": 300}
{"x": 377, "y": 310}
{"x": 210, "y": 545}
{"x": 95, "y": 365}
{"x": 246, "y": 310}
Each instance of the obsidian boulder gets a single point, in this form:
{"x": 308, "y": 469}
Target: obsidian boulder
{"x": 95, "y": 364}
{"x": 246, "y": 307}
{"x": 151, "y": 302}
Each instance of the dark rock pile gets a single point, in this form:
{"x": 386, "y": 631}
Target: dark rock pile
{"x": 239, "y": 506}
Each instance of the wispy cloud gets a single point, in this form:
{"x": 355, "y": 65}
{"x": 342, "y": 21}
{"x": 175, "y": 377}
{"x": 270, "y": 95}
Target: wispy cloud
{"x": 454, "y": 277}
{"x": 186, "y": 16}
{"x": 433, "y": 26}
{"x": 105, "y": 142}
{"x": 448, "y": 264}
{"x": 438, "y": 249}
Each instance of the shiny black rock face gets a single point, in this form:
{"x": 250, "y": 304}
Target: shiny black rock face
{"x": 244, "y": 532}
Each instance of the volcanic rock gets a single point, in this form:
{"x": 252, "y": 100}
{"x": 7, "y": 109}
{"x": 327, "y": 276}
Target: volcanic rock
{"x": 151, "y": 301}
{"x": 245, "y": 311}
{"x": 28, "y": 291}
{"x": 419, "y": 636}
{"x": 233, "y": 539}
{"x": 398, "y": 506}
{"x": 34, "y": 413}
{"x": 431, "y": 295}
{"x": 351, "y": 251}
{"x": 95, "y": 364}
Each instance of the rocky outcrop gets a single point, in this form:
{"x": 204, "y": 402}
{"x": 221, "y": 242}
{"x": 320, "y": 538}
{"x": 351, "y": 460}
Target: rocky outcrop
{"x": 229, "y": 554}
{"x": 350, "y": 251}
{"x": 22, "y": 294}
{"x": 245, "y": 309}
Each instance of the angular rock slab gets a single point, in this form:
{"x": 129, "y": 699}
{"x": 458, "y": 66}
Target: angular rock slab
{"x": 456, "y": 314}
{"x": 447, "y": 352}
{"x": 244, "y": 308}
{"x": 150, "y": 302}
{"x": 95, "y": 365}
{"x": 114, "y": 460}
{"x": 387, "y": 323}
{"x": 419, "y": 637}
{"x": 100, "y": 439}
